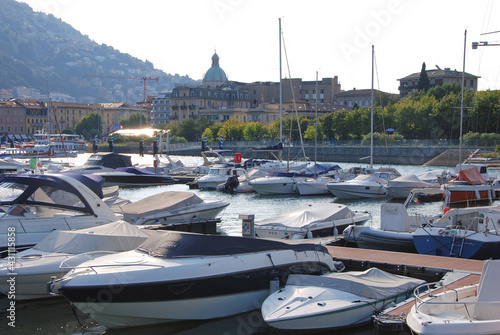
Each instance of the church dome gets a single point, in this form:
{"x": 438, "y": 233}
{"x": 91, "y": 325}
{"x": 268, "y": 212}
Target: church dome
{"x": 215, "y": 74}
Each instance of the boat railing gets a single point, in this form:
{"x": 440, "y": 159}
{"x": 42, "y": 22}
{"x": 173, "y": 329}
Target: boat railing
{"x": 428, "y": 290}
{"x": 80, "y": 258}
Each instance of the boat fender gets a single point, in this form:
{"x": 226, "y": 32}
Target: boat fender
{"x": 446, "y": 209}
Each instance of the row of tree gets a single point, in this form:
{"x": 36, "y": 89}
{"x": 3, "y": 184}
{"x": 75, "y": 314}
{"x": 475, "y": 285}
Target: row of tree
{"x": 426, "y": 114}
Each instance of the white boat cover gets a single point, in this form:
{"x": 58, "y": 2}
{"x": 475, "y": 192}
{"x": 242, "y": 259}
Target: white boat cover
{"x": 306, "y": 215}
{"x": 162, "y": 202}
{"x": 372, "y": 283}
{"x": 431, "y": 176}
{"x": 115, "y": 236}
{"x": 488, "y": 292}
{"x": 407, "y": 180}
{"x": 394, "y": 217}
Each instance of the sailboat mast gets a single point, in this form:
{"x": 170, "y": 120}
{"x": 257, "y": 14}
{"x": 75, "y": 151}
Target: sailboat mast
{"x": 316, "y": 125}
{"x": 462, "y": 101}
{"x": 371, "y": 125}
{"x": 281, "y": 89}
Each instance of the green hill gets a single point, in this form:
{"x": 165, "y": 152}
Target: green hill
{"x": 40, "y": 51}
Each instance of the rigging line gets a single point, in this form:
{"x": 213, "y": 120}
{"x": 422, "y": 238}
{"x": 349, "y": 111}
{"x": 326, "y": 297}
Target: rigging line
{"x": 486, "y": 19}
{"x": 293, "y": 97}
{"x": 380, "y": 102}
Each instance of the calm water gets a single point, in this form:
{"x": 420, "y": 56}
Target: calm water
{"x": 54, "y": 316}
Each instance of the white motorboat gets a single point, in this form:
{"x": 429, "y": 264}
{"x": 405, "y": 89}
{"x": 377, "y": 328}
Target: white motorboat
{"x": 472, "y": 232}
{"x": 135, "y": 177}
{"x": 172, "y": 207}
{"x": 473, "y": 309}
{"x": 218, "y": 174}
{"x": 177, "y": 276}
{"x": 286, "y": 182}
{"x": 397, "y": 224}
{"x": 335, "y": 300}
{"x": 364, "y": 186}
{"x": 322, "y": 174}
{"x": 33, "y": 205}
{"x": 59, "y": 251}
{"x": 309, "y": 221}
{"x": 401, "y": 187}
{"x": 240, "y": 184}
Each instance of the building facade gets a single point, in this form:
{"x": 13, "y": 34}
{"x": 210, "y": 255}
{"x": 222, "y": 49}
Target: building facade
{"x": 66, "y": 115}
{"x": 161, "y": 110}
{"x": 35, "y": 114}
{"x": 437, "y": 77}
{"x": 114, "y": 112}
{"x": 12, "y": 118}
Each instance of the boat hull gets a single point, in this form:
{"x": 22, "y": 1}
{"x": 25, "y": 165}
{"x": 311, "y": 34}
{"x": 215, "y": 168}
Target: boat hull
{"x": 356, "y": 191}
{"x": 386, "y": 240}
{"x": 274, "y": 185}
{"x": 442, "y": 242}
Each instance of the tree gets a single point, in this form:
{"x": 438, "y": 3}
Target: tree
{"x": 89, "y": 126}
{"x": 423, "y": 82}
{"x": 135, "y": 121}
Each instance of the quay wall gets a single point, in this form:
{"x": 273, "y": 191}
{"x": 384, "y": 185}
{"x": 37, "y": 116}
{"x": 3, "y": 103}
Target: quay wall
{"x": 400, "y": 155}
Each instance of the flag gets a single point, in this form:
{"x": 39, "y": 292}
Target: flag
{"x": 32, "y": 163}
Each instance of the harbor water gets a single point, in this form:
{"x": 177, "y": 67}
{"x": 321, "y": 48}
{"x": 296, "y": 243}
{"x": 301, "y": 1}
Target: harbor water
{"x": 55, "y": 316}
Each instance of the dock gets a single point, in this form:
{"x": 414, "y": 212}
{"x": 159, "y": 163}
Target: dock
{"x": 429, "y": 268}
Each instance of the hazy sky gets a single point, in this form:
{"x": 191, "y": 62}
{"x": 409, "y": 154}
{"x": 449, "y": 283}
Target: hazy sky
{"x": 330, "y": 37}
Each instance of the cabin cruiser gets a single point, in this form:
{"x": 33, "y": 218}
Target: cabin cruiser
{"x": 172, "y": 207}
{"x": 32, "y": 206}
{"x": 470, "y": 188}
{"x": 102, "y": 162}
{"x": 62, "y": 249}
{"x": 135, "y": 177}
{"x": 218, "y": 174}
{"x": 177, "y": 276}
{"x": 334, "y": 300}
{"x": 364, "y": 185}
{"x": 309, "y": 221}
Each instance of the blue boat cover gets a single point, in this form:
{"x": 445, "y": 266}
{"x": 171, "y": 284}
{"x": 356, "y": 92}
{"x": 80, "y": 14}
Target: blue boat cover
{"x": 134, "y": 170}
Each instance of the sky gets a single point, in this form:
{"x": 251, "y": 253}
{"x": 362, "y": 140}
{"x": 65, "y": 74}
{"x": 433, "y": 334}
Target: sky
{"x": 326, "y": 38}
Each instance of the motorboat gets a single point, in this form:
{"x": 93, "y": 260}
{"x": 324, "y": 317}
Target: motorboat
{"x": 177, "y": 276}
{"x": 61, "y": 250}
{"x": 211, "y": 158}
{"x": 322, "y": 174}
{"x": 218, "y": 174}
{"x": 32, "y": 206}
{"x": 400, "y": 187}
{"x": 364, "y": 185}
{"x": 470, "y": 188}
{"x": 471, "y": 309}
{"x": 135, "y": 177}
{"x": 240, "y": 184}
{"x": 309, "y": 221}
{"x": 172, "y": 207}
{"x": 397, "y": 224}
{"x": 472, "y": 232}
{"x": 102, "y": 162}
{"x": 335, "y": 300}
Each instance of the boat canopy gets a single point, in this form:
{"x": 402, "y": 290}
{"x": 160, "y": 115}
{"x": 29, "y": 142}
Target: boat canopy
{"x": 44, "y": 190}
{"x": 115, "y": 236}
{"x": 471, "y": 175}
{"x": 162, "y": 202}
{"x": 274, "y": 147}
{"x": 307, "y": 215}
{"x": 172, "y": 244}
{"x": 134, "y": 170}
{"x": 321, "y": 168}
{"x": 372, "y": 283}
{"x": 109, "y": 160}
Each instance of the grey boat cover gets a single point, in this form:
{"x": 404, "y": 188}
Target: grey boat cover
{"x": 173, "y": 244}
{"x": 408, "y": 180}
{"x": 307, "y": 215}
{"x": 162, "y": 202}
{"x": 115, "y": 236}
{"x": 372, "y": 283}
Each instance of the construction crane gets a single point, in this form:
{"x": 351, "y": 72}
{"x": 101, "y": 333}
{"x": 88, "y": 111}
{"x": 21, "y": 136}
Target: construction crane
{"x": 144, "y": 79}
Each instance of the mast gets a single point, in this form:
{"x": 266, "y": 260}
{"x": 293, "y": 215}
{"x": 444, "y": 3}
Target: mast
{"x": 316, "y": 126}
{"x": 462, "y": 102}
{"x": 281, "y": 89}
{"x": 371, "y": 126}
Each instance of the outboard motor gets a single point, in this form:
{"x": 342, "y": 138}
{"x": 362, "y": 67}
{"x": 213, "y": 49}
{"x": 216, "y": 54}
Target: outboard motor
{"x": 231, "y": 183}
